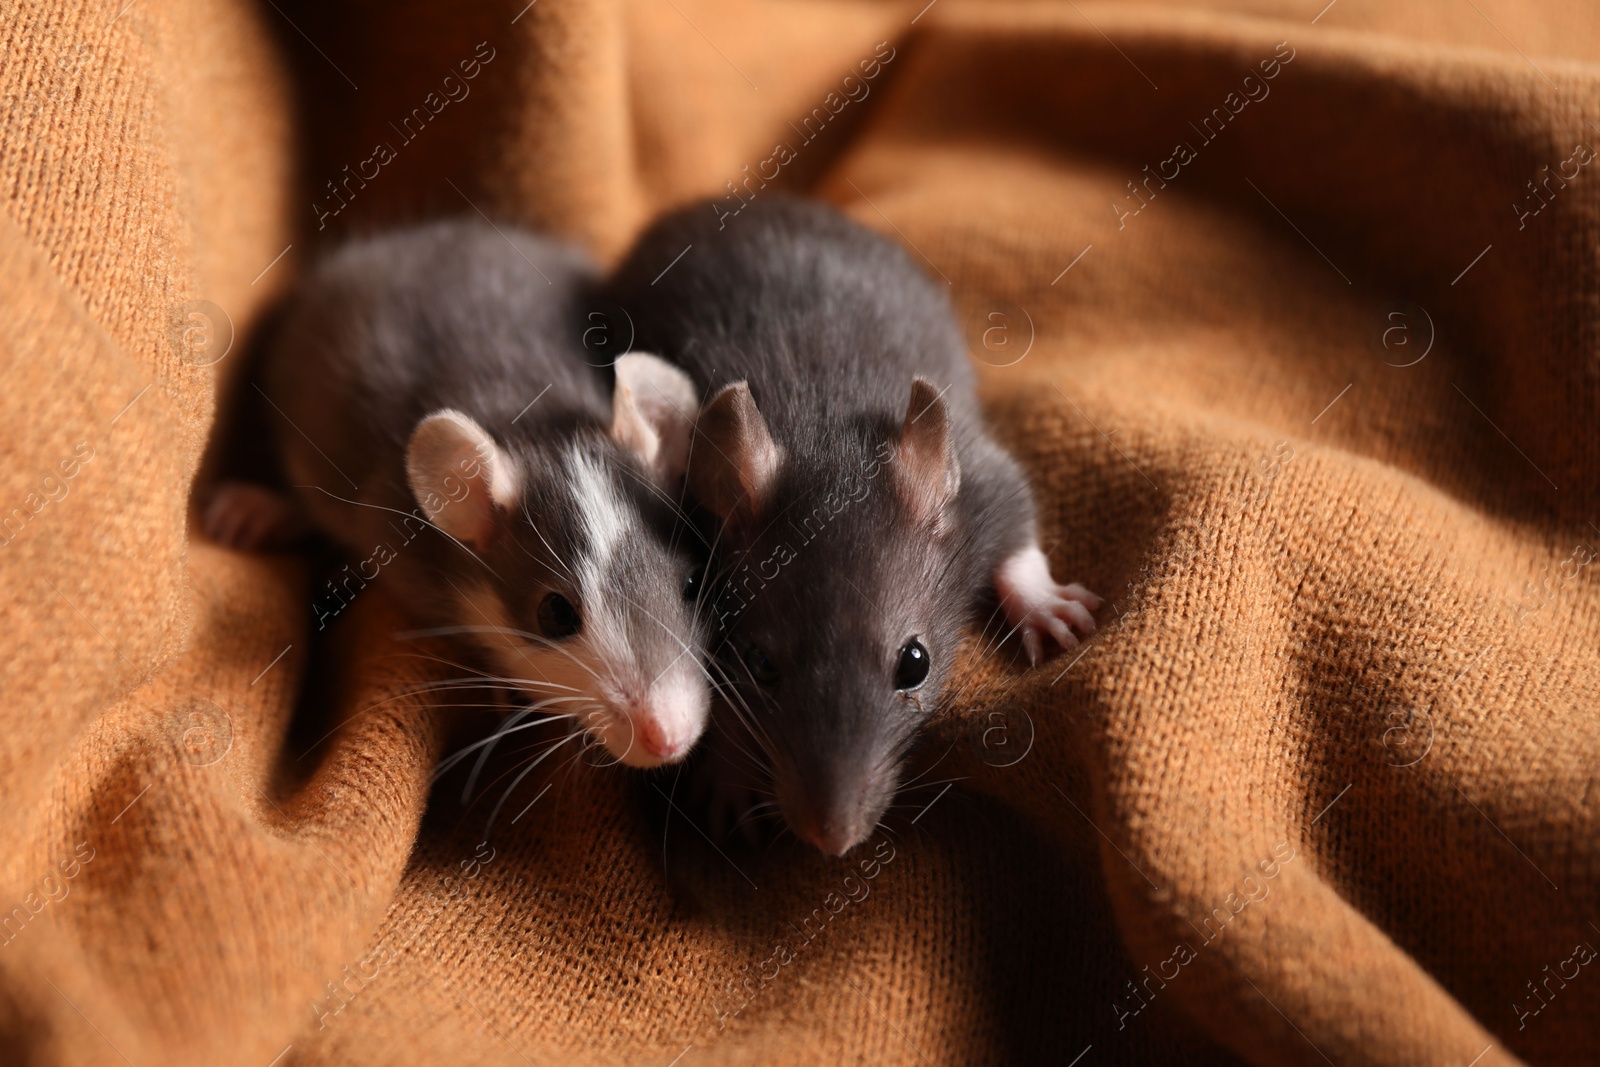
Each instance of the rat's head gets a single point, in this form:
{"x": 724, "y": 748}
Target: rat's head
{"x": 837, "y": 602}
{"x": 580, "y": 591}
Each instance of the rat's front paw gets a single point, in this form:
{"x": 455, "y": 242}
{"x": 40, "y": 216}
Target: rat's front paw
{"x": 1035, "y": 605}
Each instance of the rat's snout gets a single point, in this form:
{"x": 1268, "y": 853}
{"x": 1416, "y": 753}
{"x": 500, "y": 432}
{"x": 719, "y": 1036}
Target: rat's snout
{"x": 832, "y": 816}
{"x": 833, "y": 796}
{"x": 666, "y": 720}
{"x": 657, "y": 739}
{"x": 832, "y": 833}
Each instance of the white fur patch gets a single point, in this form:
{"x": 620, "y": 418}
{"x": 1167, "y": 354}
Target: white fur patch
{"x": 607, "y": 519}
{"x": 1037, "y": 607}
{"x": 606, "y": 515}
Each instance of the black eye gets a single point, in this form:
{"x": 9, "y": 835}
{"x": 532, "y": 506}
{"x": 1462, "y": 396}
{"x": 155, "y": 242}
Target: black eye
{"x": 760, "y": 665}
{"x": 558, "y": 618}
{"x": 692, "y": 584}
{"x": 912, "y": 670}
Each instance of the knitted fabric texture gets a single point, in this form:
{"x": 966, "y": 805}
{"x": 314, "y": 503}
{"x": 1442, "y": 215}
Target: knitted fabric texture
{"x": 1291, "y": 317}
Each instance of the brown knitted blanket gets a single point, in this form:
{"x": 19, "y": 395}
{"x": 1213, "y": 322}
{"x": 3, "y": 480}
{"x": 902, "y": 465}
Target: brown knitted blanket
{"x": 1290, "y": 313}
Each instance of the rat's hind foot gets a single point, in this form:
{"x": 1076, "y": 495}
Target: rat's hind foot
{"x": 1035, "y": 605}
{"x": 252, "y": 517}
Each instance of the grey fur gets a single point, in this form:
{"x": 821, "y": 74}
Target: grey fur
{"x": 459, "y": 314}
{"x": 829, "y": 324}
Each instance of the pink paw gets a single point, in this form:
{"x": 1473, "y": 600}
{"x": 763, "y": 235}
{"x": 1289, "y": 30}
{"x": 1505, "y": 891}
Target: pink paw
{"x": 1035, "y": 605}
{"x": 252, "y": 517}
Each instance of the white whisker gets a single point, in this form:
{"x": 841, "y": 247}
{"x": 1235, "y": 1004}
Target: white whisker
{"x": 405, "y": 514}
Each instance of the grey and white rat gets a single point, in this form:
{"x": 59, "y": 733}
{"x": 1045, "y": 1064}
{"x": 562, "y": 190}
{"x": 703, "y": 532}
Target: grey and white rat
{"x": 864, "y": 513}
{"x": 436, "y": 415}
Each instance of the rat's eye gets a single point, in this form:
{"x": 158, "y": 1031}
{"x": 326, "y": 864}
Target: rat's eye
{"x": 760, "y": 665}
{"x": 558, "y": 618}
{"x": 912, "y": 669}
{"x": 692, "y": 584}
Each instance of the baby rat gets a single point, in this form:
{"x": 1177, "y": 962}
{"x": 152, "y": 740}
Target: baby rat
{"x": 436, "y": 417}
{"x": 864, "y": 511}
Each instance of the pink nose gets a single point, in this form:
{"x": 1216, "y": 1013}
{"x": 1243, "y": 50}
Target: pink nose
{"x": 655, "y": 741}
{"x": 830, "y": 836}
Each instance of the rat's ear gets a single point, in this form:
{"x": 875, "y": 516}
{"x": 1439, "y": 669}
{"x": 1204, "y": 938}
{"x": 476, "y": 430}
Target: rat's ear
{"x": 652, "y": 414}
{"x": 459, "y": 475}
{"x": 927, "y": 472}
{"x": 735, "y": 460}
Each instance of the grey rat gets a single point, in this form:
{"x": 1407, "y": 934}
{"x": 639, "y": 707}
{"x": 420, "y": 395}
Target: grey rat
{"x": 437, "y": 416}
{"x": 863, "y": 513}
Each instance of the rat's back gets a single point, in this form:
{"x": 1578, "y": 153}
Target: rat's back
{"x": 385, "y": 330}
{"x": 839, "y": 412}
{"x": 799, "y": 301}
{"x": 452, "y": 314}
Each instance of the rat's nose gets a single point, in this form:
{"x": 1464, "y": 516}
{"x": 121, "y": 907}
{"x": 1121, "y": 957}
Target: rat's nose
{"x": 829, "y": 833}
{"x": 654, "y": 739}
{"x": 664, "y": 719}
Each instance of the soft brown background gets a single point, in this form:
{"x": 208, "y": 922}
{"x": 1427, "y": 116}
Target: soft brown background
{"x": 1283, "y": 632}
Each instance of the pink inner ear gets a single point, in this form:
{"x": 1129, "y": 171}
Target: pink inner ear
{"x": 737, "y": 460}
{"x": 459, "y": 476}
{"x": 461, "y": 501}
{"x": 632, "y": 430}
{"x": 480, "y": 507}
{"x": 653, "y": 409}
{"x": 923, "y": 484}
{"x": 927, "y": 472}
